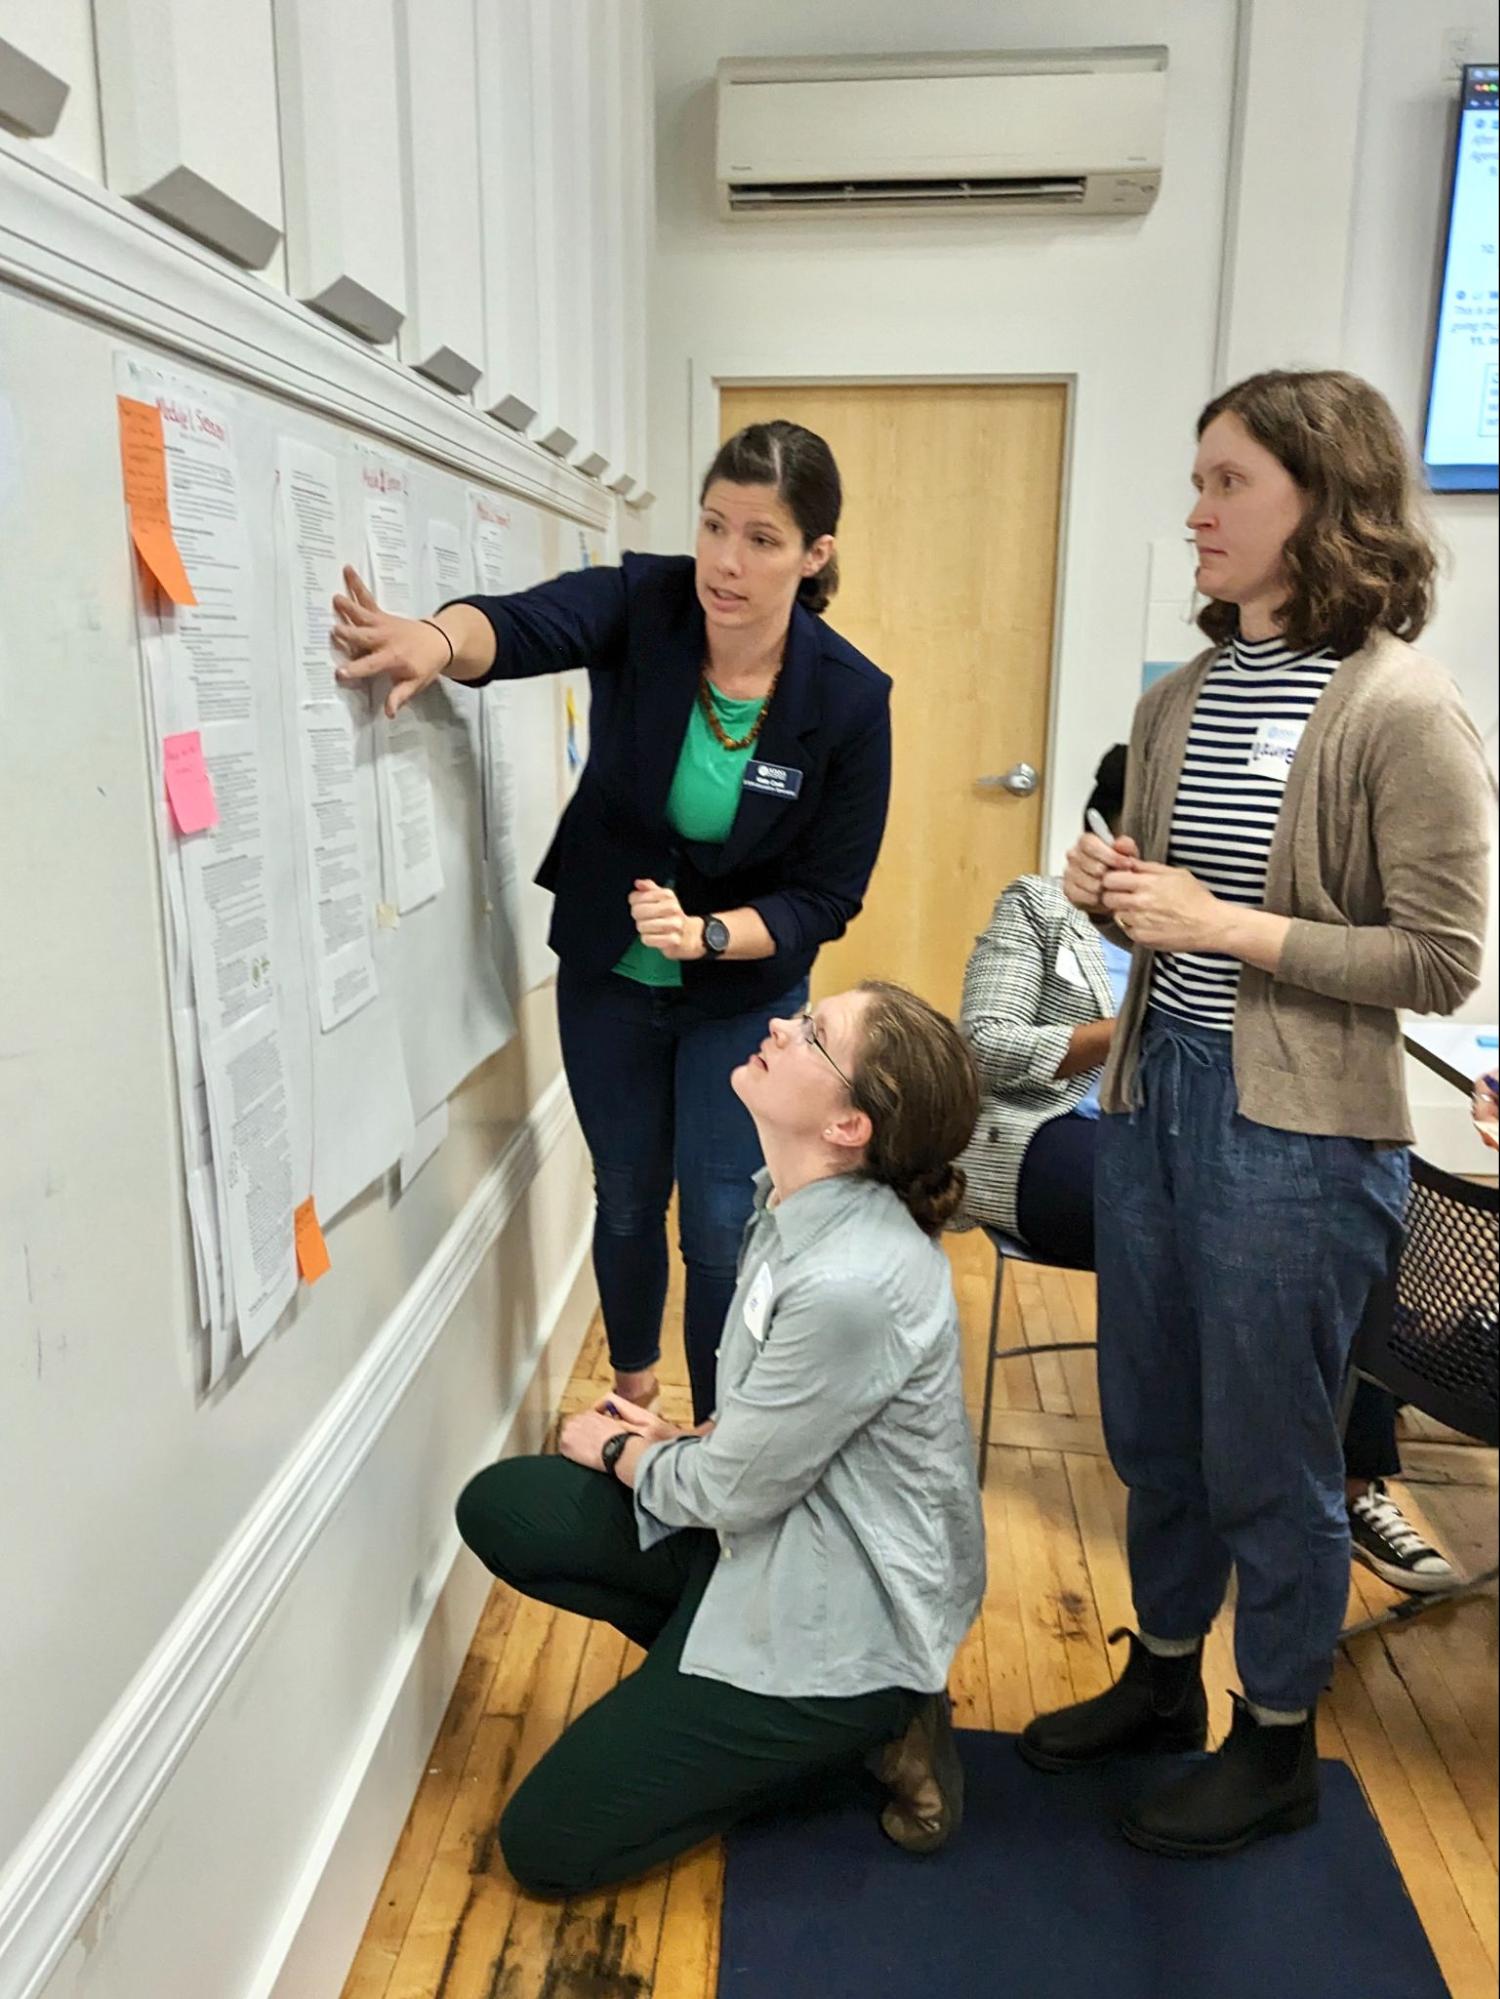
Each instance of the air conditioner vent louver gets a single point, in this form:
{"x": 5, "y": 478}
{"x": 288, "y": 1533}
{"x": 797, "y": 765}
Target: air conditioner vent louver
{"x": 904, "y": 193}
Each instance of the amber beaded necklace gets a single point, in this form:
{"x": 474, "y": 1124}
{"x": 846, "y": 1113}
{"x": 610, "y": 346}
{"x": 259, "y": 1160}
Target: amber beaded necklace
{"x": 711, "y": 714}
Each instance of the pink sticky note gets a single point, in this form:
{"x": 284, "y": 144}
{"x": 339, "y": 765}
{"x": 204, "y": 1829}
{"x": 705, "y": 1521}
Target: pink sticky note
{"x": 190, "y": 790}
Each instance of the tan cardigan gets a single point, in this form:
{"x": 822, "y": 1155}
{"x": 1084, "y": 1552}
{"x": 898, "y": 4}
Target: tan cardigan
{"x": 1379, "y": 858}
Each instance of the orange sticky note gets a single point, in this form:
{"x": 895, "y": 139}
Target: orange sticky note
{"x": 190, "y": 789}
{"x": 312, "y": 1251}
{"x": 143, "y": 454}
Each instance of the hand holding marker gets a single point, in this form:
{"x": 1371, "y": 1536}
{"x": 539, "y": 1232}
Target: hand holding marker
{"x": 1485, "y": 1107}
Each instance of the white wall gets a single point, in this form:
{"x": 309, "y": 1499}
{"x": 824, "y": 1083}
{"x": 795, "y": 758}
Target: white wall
{"x": 1405, "y": 140}
{"x": 1286, "y": 245}
{"x": 1377, "y": 228}
{"x": 313, "y": 1749}
{"x": 1379, "y": 158}
{"x": 58, "y": 35}
{"x": 1400, "y": 193}
{"x": 1140, "y": 315}
{"x": 235, "y": 1617}
{"x": 1297, "y": 225}
{"x": 1127, "y": 308}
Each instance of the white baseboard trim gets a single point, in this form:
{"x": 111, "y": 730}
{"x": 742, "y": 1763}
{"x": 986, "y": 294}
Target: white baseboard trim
{"x": 325, "y": 1916}
{"x": 51, "y": 1881}
{"x": 319, "y": 1929}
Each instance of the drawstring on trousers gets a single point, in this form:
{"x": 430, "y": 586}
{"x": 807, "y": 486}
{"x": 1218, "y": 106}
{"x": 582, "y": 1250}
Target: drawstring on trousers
{"x": 1177, "y": 1050}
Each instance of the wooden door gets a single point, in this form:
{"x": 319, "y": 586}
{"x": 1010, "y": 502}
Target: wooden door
{"x": 948, "y": 556}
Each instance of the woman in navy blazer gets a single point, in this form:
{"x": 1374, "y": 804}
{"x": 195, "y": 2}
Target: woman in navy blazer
{"x": 725, "y": 827}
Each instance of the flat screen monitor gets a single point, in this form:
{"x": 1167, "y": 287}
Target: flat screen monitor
{"x": 1459, "y": 441}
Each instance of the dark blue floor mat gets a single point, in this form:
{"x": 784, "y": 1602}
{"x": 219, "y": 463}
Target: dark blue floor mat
{"x": 1040, "y": 1898}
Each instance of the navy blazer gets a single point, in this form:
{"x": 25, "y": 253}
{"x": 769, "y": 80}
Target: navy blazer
{"x": 803, "y": 862}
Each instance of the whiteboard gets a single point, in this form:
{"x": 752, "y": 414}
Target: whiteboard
{"x": 83, "y": 806}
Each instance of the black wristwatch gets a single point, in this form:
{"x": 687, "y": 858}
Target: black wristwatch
{"x": 715, "y": 936}
{"x": 613, "y": 1449}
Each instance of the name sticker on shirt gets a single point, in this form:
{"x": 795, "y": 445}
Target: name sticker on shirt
{"x": 1273, "y": 749}
{"x": 774, "y": 780}
{"x": 758, "y": 1303}
{"x": 1068, "y": 968}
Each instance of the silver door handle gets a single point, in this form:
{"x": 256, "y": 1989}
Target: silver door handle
{"x": 1021, "y": 780}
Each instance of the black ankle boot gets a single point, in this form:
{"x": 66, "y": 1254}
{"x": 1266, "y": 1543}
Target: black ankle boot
{"x": 1156, "y": 1704}
{"x": 1262, "y": 1779}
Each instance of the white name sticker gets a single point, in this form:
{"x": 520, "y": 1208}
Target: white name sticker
{"x": 1069, "y": 970}
{"x": 758, "y": 1303}
{"x": 1273, "y": 749}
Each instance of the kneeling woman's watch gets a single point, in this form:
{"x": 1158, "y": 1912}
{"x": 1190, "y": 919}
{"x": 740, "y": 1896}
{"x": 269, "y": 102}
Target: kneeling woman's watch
{"x": 715, "y": 936}
{"x": 613, "y": 1448}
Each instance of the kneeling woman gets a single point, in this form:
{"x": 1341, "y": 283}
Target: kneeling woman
{"x": 801, "y": 1569}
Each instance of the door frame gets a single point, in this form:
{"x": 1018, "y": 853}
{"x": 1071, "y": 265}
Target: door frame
{"x": 704, "y": 409}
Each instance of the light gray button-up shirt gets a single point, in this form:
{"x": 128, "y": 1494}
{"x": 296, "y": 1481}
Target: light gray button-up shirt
{"x": 840, "y": 1474}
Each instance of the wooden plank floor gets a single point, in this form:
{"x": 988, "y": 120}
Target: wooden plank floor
{"x": 1412, "y": 1710}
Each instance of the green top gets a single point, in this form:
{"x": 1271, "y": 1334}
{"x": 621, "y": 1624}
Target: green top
{"x": 701, "y": 805}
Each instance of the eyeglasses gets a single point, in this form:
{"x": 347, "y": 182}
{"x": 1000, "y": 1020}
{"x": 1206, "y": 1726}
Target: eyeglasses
{"x": 810, "y": 1034}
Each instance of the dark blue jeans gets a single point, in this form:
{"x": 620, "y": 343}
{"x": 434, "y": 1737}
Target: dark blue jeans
{"x": 1055, "y": 1208}
{"x": 1234, "y": 1263}
{"x": 1055, "y": 1191}
{"x": 649, "y": 1073}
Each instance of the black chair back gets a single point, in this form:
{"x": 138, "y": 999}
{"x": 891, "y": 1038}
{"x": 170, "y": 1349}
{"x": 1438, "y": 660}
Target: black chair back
{"x": 1437, "y": 1346}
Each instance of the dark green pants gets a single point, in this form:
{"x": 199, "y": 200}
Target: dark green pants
{"x": 665, "y": 1759}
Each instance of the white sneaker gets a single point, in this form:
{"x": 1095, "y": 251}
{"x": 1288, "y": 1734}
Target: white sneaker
{"x": 1385, "y": 1541}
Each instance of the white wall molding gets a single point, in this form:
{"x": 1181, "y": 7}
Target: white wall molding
{"x": 166, "y": 70}
{"x": 443, "y": 332}
{"x": 636, "y": 210}
{"x": 340, "y": 161}
{"x": 31, "y": 97}
{"x": 71, "y": 241}
{"x": 591, "y": 311}
{"x": 608, "y": 176}
{"x": 325, "y": 1915}
{"x": 58, "y": 37}
{"x": 1289, "y": 205}
{"x": 507, "y": 163}
{"x": 61, "y": 1866}
{"x": 556, "y": 424}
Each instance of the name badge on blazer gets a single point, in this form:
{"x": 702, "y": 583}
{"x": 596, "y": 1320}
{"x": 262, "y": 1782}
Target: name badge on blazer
{"x": 772, "y": 780}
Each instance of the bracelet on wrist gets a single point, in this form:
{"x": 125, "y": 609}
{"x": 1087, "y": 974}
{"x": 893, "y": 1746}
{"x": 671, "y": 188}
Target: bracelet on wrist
{"x": 443, "y": 635}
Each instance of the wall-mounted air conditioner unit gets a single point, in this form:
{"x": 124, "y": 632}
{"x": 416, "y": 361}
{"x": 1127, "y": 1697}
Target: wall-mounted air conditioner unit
{"x": 1076, "y": 130}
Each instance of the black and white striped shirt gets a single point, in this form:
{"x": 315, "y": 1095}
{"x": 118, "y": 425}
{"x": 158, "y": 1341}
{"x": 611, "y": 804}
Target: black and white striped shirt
{"x": 1251, "y": 711}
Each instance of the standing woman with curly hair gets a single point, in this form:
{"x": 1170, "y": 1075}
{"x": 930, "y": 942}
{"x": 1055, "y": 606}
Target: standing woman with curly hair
{"x": 1302, "y": 853}
{"x": 724, "y": 828}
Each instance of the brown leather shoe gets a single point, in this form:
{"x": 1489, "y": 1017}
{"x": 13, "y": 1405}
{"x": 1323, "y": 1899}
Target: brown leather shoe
{"x": 925, "y": 1778}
